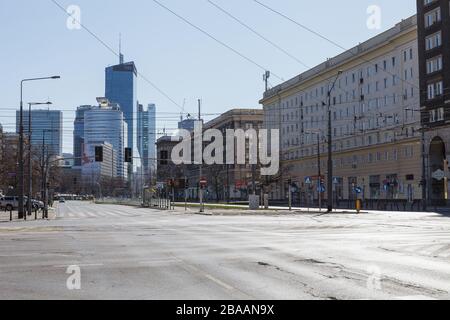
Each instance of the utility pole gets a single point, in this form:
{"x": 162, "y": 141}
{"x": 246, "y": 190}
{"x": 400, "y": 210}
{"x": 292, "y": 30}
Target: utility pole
{"x": 330, "y": 150}
{"x": 200, "y": 189}
{"x": 290, "y": 193}
{"x": 21, "y": 166}
{"x": 320, "y": 173}
{"x": 266, "y": 79}
{"x": 424, "y": 173}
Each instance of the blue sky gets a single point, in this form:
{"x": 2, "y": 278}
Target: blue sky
{"x": 177, "y": 58}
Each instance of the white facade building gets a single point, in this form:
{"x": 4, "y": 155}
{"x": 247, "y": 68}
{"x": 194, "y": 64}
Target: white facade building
{"x": 105, "y": 124}
{"x": 375, "y": 118}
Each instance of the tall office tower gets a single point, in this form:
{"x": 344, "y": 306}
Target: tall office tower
{"x": 187, "y": 124}
{"x": 434, "y": 62}
{"x": 121, "y": 88}
{"x": 78, "y": 134}
{"x": 105, "y": 124}
{"x": 147, "y": 137}
{"x": 46, "y": 128}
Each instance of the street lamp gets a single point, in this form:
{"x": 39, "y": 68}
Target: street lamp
{"x": 424, "y": 169}
{"x": 21, "y": 164}
{"x": 30, "y": 170}
{"x": 330, "y": 149}
{"x": 44, "y": 169}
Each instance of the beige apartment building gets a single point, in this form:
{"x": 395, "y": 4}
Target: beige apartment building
{"x": 376, "y": 136}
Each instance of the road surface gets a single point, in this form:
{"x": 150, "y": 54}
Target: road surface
{"x": 120, "y": 252}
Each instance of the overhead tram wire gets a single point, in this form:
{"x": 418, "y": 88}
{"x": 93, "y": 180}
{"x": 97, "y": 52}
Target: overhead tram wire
{"x": 217, "y": 40}
{"x": 258, "y": 34}
{"x": 116, "y": 54}
{"x": 326, "y": 39}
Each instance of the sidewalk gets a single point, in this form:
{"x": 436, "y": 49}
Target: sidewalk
{"x": 5, "y": 216}
{"x": 224, "y": 209}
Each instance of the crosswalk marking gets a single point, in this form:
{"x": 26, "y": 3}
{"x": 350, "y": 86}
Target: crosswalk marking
{"x": 90, "y": 214}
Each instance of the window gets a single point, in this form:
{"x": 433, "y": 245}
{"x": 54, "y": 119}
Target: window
{"x": 427, "y": 2}
{"x": 434, "y": 64}
{"x": 437, "y": 115}
{"x": 435, "y": 89}
{"x": 433, "y": 41}
{"x": 432, "y": 17}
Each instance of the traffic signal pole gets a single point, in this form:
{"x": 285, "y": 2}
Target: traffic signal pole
{"x": 200, "y": 187}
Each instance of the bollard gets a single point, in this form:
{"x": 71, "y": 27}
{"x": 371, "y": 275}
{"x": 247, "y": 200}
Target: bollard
{"x": 358, "y": 206}
{"x": 10, "y": 215}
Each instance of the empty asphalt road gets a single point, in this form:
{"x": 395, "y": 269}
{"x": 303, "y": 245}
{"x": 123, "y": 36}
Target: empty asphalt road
{"x": 133, "y": 253}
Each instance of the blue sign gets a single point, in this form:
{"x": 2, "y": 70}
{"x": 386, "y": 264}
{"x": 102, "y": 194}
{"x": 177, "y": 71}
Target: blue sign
{"x": 321, "y": 189}
{"x": 358, "y": 190}
{"x": 308, "y": 180}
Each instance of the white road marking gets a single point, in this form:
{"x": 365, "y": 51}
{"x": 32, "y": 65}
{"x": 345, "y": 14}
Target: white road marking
{"x": 414, "y": 298}
{"x": 221, "y": 283}
{"x": 80, "y": 265}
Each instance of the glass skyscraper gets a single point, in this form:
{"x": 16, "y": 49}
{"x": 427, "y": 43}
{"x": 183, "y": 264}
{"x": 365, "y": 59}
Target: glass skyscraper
{"x": 78, "y": 134}
{"x": 46, "y": 127}
{"x": 121, "y": 88}
{"x": 147, "y": 137}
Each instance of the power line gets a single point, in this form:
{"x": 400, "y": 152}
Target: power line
{"x": 215, "y": 39}
{"x": 115, "y": 53}
{"x": 258, "y": 34}
{"x": 325, "y": 38}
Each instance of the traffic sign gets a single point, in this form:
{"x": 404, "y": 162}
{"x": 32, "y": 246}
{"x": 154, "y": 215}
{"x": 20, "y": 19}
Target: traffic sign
{"x": 308, "y": 180}
{"x": 335, "y": 180}
{"x": 358, "y": 190}
{"x": 321, "y": 189}
{"x": 438, "y": 175}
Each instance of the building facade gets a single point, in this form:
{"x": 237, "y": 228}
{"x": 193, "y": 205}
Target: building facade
{"x": 434, "y": 65}
{"x": 225, "y": 182}
{"x": 78, "y": 134}
{"x": 106, "y": 124}
{"x": 121, "y": 88}
{"x": 147, "y": 138}
{"x": 375, "y": 124}
{"x": 96, "y": 170}
{"x": 46, "y": 128}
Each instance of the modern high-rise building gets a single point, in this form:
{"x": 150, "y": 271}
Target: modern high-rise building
{"x": 187, "y": 124}
{"x": 46, "y": 128}
{"x": 106, "y": 124}
{"x": 93, "y": 171}
{"x": 147, "y": 137}
{"x": 121, "y": 88}
{"x": 78, "y": 134}
{"x": 434, "y": 66}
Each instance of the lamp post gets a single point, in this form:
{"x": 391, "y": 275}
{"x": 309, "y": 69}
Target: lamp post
{"x": 21, "y": 164}
{"x": 424, "y": 182}
{"x": 44, "y": 170}
{"x": 330, "y": 149}
{"x": 319, "y": 164}
{"x": 30, "y": 164}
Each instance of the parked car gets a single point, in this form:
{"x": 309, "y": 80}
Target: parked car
{"x": 9, "y": 203}
{"x": 62, "y": 200}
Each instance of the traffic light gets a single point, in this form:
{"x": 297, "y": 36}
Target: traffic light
{"x": 98, "y": 154}
{"x": 128, "y": 155}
